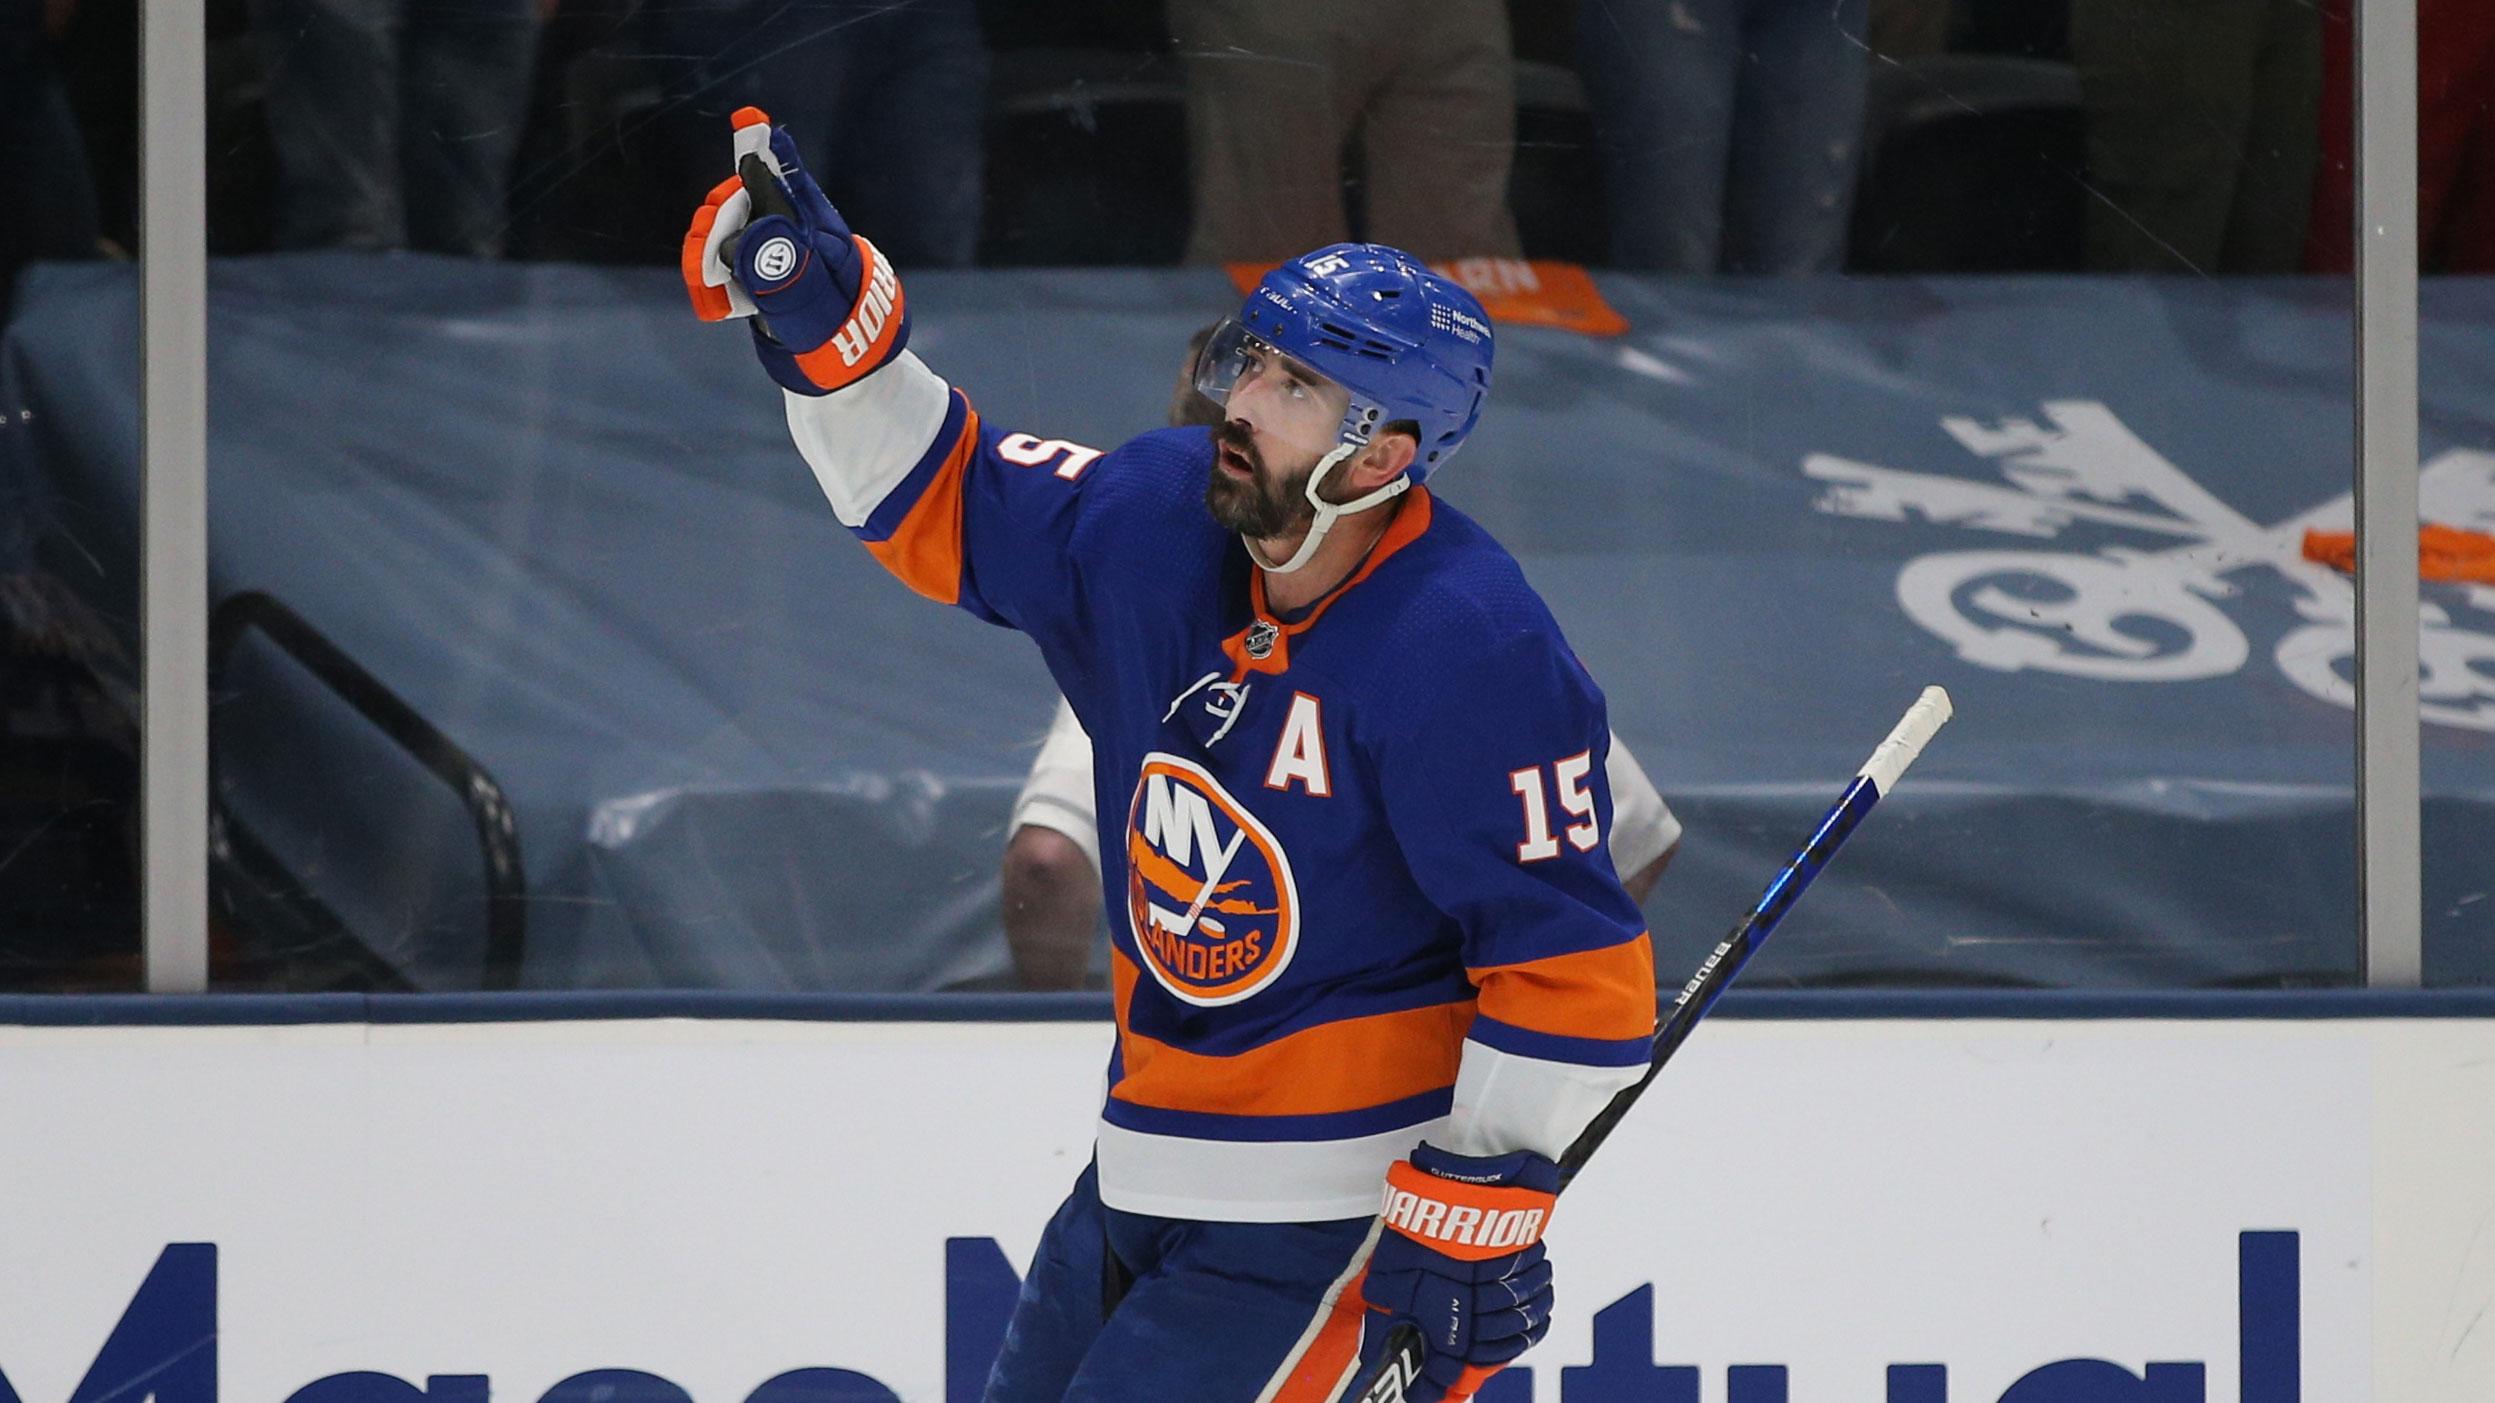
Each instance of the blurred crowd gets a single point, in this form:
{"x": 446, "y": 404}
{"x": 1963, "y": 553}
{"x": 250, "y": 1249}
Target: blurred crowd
{"x": 1750, "y": 136}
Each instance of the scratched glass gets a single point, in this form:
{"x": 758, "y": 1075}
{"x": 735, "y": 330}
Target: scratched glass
{"x": 388, "y": 395}
{"x": 1843, "y": 349}
{"x": 69, "y": 729}
{"x": 531, "y": 640}
{"x": 2025, "y": 394}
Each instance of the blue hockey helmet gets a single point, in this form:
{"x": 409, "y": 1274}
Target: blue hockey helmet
{"x": 1406, "y": 343}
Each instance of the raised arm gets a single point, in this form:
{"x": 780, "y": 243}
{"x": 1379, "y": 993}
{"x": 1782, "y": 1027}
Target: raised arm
{"x": 958, "y": 511}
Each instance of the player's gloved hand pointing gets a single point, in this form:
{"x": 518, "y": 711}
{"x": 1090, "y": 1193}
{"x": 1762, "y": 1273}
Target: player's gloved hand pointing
{"x": 830, "y": 307}
{"x": 1461, "y": 1258}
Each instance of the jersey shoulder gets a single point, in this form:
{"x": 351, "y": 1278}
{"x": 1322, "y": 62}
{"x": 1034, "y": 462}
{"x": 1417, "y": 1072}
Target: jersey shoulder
{"x": 1153, "y": 482}
{"x": 1462, "y": 619}
{"x": 1163, "y": 467}
{"x": 1463, "y": 592}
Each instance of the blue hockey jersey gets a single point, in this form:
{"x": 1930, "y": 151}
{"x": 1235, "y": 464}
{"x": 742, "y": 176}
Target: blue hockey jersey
{"x": 1354, "y": 860}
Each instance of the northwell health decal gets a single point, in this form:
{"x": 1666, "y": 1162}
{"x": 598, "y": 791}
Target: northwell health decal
{"x": 164, "y": 1347}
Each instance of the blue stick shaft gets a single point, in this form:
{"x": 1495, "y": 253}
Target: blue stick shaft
{"x": 1734, "y": 951}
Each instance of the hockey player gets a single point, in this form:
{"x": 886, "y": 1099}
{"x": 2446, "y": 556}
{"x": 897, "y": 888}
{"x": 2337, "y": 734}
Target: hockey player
{"x": 1051, "y": 873}
{"x": 1371, "y": 953}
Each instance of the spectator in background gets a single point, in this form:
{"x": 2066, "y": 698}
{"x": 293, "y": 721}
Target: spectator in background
{"x": 395, "y": 121}
{"x": 2200, "y": 132}
{"x": 46, "y": 187}
{"x": 1729, "y": 129}
{"x": 1278, "y": 89}
{"x": 888, "y": 103}
{"x": 2455, "y": 141}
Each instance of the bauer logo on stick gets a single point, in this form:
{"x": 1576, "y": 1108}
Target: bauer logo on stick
{"x": 1209, "y": 894}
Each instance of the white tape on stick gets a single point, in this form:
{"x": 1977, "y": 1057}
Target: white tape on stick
{"x": 1914, "y": 730}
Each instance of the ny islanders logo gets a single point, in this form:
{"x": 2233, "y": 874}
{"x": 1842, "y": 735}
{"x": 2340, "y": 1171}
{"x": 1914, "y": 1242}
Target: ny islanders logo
{"x": 1209, "y": 893}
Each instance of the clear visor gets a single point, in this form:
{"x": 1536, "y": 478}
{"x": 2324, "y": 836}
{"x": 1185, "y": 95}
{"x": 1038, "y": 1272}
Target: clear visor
{"x": 1251, "y": 379}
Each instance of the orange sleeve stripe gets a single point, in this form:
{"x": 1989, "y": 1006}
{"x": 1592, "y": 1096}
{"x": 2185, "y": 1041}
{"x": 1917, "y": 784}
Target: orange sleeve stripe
{"x": 1344, "y": 1066}
{"x": 1606, "y": 994}
{"x": 925, "y": 550}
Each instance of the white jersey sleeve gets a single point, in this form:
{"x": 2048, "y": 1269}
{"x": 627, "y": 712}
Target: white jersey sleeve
{"x": 1643, "y": 827}
{"x": 1058, "y": 793}
{"x": 864, "y": 442}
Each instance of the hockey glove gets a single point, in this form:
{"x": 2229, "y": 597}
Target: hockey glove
{"x": 830, "y": 310}
{"x": 1461, "y": 1258}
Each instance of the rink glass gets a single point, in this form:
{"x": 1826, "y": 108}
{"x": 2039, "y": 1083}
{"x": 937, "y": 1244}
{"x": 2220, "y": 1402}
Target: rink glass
{"x": 541, "y": 663}
{"x": 69, "y": 728}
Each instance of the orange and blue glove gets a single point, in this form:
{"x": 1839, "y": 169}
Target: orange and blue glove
{"x": 1461, "y": 1259}
{"x": 826, "y": 307}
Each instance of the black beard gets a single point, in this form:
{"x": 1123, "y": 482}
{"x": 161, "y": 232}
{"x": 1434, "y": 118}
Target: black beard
{"x": 1252, "y": 508}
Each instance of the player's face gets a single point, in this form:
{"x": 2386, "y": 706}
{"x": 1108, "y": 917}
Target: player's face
{"x": 1248, "y": 495}
{"x": 1283, "y": 418}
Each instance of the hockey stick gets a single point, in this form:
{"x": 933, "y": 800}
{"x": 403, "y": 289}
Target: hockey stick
{"x": 1879, "y": 774}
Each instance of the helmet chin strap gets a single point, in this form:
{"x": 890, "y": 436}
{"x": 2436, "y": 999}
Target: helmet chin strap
{"x": 1327, "y": 511}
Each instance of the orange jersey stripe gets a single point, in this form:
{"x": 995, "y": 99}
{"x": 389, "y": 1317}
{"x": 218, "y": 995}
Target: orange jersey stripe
{"x": 1608, "y": 994}
{"x": 925, "y": 550}
{"x": 1343, "y": 1066}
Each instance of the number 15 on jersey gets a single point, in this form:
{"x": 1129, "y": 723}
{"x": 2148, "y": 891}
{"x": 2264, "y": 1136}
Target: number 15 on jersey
{"x": 1533, "y": 786}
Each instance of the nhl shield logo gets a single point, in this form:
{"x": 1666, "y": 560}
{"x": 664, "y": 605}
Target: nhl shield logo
{"x": 1209, "y": 895}
{"x": 1260, "y": 637}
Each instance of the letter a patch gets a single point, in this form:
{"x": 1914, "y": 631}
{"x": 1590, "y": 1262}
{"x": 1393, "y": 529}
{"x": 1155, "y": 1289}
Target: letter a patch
{"x": 1300, "y": 753}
